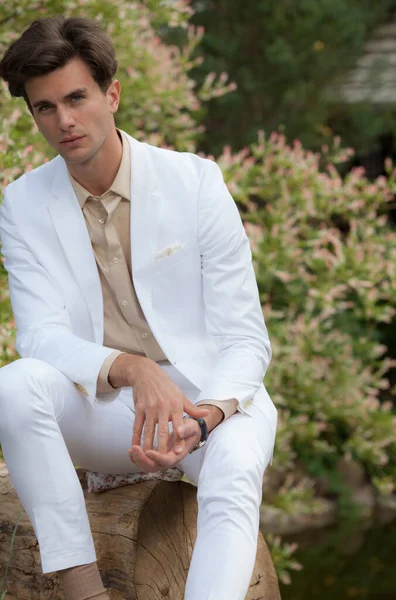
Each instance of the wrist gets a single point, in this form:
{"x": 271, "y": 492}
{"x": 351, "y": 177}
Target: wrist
{"x": 215, "y": 416}
{"x": 199, "y": 438}
{"x": 124, "y": 371}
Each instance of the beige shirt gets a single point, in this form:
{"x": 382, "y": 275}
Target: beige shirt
{"x": 107, "y": 218}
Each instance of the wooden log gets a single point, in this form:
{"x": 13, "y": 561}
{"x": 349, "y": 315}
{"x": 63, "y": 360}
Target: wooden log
{"x": 144, "y": 536}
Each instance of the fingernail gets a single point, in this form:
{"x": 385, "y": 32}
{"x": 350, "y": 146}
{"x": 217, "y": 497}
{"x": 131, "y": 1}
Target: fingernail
{"x": 181, "y": 431}
{"x": 178, "y": 449}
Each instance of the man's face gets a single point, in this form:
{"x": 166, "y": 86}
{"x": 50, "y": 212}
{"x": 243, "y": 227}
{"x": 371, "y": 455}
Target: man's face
{"x": 71, "y": 111}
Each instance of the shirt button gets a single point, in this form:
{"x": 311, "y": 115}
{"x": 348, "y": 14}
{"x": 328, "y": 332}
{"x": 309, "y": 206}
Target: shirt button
{"x": 124, "y": 303}
{"x": 101, "y": 221}
{"x": 144, "y": 335}
{"x": 115, "y": 260}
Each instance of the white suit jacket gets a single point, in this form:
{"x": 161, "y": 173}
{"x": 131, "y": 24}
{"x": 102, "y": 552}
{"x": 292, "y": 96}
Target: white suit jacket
{"x": 201, "y": 301}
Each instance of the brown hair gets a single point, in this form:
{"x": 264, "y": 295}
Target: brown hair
{"x": 48, "y": 44}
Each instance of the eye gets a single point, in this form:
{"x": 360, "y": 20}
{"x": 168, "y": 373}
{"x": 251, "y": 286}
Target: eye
{"x": 44, "y": 107}
{"x": 77, "y": 97}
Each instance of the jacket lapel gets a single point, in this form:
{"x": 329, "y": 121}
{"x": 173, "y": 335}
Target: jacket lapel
{"x": 73, "y": 235}
{"x": 145, "y": 215}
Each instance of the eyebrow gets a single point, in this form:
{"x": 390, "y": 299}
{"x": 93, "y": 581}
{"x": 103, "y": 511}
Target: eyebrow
{"x": 79, "y": 91}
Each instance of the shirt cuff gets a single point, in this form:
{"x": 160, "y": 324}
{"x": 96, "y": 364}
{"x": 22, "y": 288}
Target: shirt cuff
{"x": 103, "y": 386}
{"x": 229, "y": 407}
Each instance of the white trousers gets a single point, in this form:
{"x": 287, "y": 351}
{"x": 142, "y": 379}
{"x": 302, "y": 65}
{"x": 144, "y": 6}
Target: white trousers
{"x": 47, "y": 427}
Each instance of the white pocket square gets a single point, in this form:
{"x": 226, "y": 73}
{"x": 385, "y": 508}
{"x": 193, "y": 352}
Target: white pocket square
{"x": 168, "y": 250}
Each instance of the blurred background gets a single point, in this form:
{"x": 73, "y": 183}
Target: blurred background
{"x": 296, "y": 101}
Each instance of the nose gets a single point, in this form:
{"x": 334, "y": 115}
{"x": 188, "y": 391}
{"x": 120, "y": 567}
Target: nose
{"x": 65, "y": 118}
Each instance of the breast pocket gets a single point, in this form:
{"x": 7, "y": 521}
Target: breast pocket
{"x": 164, "y": 263}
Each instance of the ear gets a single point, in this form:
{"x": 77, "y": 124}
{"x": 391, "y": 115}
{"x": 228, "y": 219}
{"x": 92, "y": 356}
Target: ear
{"x": 113, "y": 94}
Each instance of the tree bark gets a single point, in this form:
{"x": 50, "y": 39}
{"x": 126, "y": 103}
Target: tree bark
{"x": 144, "y": 536}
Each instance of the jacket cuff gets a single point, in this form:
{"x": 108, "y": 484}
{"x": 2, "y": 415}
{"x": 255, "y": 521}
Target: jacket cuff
{"x": 229, "y": 407}
{"x": 103, "y": 385}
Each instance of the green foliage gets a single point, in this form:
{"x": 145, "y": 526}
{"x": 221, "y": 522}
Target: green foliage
{"x": 324, "y": 254}
{"x": 283, "y": 56}
{"x": 296, "y": 497}
{"x": 282, "y": 556}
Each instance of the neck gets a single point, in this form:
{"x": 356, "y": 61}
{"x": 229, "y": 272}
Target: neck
{"x": 98, "y": 173}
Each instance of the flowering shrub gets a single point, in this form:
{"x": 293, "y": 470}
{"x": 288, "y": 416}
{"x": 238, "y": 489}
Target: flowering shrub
{"x": 325, "y": 259}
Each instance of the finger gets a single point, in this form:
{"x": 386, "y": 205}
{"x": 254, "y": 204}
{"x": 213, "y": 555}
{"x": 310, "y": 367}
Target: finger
{"x": 149, "y": 431}
{"x": 163, "y": 433}
{"x": 178, "y": 438}
{"x": 195, "y": 411}
{"x": 138, "y": 427}
{"x": 171, "y": 459}
{"x": 164, "y": 461}
{"x": 189, "y": 428}
{"x": 139, "y": 458}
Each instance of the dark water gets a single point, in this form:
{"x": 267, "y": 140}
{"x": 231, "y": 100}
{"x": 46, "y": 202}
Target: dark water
{"x": 348, "y": 561}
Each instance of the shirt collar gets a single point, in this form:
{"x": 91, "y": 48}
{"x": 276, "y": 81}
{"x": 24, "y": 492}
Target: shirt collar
{"x": 121, "y": 185}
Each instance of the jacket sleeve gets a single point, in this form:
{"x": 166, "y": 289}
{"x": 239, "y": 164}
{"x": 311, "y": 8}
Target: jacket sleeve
{"x": 233, "y": 313}
{"x": 44, "y": 328}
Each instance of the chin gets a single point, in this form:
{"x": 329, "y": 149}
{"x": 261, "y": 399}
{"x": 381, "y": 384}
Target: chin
{"x": 74, "y": 158}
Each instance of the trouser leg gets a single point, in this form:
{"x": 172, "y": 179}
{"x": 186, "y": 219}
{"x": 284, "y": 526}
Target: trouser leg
{"x": 46, "y": 428}
{"x": 229, "y": 475}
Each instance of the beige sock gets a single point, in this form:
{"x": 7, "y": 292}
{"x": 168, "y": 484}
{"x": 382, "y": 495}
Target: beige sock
{"x": 82, "y": 583}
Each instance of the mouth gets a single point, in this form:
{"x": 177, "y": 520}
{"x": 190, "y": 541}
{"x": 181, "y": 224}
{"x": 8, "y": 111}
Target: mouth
{"x": 72, "y": 140}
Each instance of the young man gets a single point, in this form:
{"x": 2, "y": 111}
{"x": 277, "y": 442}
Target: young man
{"x": 136, "y": 304}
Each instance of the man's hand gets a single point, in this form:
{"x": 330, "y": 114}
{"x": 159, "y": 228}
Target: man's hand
{"x": 152, "y": 461}
{"x": 157, "y": 400}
